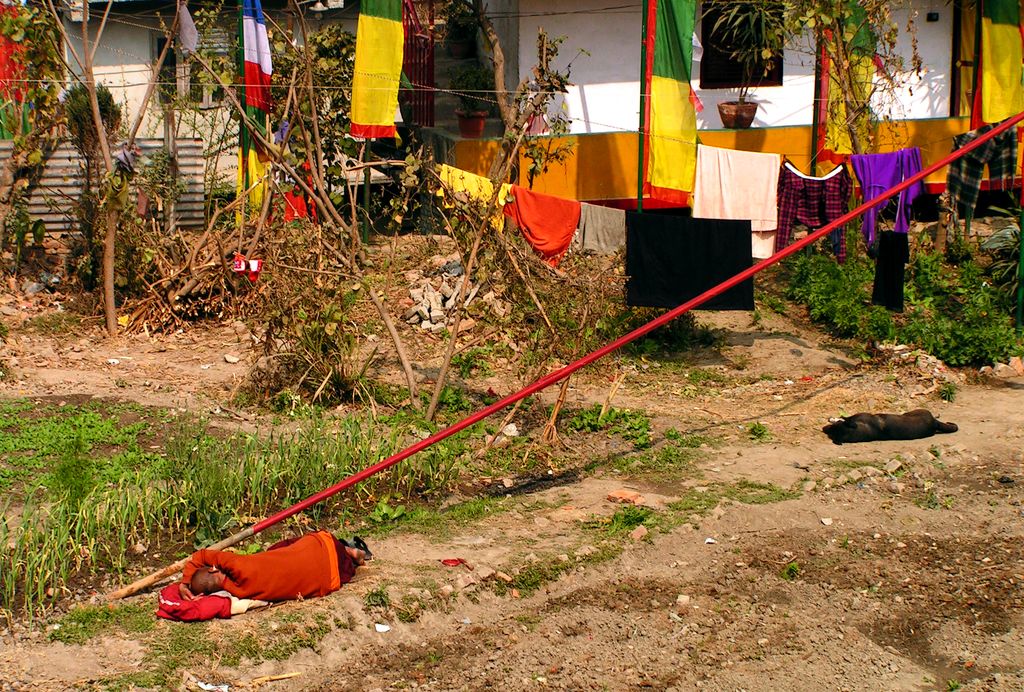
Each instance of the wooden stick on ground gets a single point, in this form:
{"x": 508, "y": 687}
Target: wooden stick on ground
{"x": 171, "y": 570}
{"x": 611, "y": 395}
{"x": 550, "y": 433}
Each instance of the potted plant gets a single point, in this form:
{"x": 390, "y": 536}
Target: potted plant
{"x": 754, "y": 35}
{"x": 474, "y": 86}
{"x": 460, "y": 30}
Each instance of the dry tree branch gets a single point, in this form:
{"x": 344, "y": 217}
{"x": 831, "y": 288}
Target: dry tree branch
{"x": 324, "y": 203}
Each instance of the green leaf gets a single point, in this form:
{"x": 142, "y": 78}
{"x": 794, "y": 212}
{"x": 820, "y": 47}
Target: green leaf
{"x": 38, "y": 231}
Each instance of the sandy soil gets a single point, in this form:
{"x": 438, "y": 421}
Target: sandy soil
{"x": 907, "y": 581}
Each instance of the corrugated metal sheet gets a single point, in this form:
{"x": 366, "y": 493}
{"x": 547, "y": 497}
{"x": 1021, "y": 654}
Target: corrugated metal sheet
{"x": 61, "y": 184}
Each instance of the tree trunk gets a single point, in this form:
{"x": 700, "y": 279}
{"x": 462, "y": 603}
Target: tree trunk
{"x": 112, "y": 215}
{"x": 506, "y": 100}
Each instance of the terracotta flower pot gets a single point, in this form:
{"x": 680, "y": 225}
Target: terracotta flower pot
{"x": 471, "y": 123}
{"x": 736, "y": 115}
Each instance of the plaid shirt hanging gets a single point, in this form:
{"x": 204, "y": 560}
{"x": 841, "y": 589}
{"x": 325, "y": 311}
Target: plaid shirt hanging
{"x": 963, "y": 182}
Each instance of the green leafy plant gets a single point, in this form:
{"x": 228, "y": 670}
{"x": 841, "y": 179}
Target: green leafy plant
{"x": 474, "y": 87}
{"x": 454, "y": 400}
{"x": 753, "y": 33}
{"x": 329, "y": 52}
{"x": 460, "y": 23}
{"x": 947, "y": 391}
{"x": 953, "y": 313}
{"x": 791, "y": 571}
{"x": 384, "y": 512}
{"x": 378, "y": 598}
{"x": 1004, "y": 248}
{"x": 472, "y": 360}
{"x": 759, "y": 432}
{"x": 634, "y": 426}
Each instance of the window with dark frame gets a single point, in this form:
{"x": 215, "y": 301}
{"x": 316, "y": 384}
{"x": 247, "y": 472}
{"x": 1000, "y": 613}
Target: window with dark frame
{"x": 718, "y": 69}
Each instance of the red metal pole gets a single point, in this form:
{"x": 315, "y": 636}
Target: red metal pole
{"x": 559, "y": 375}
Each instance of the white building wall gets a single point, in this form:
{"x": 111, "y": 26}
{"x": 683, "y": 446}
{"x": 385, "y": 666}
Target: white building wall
{"x": 123, "y": 63}
{"x": 927, "y": 95}
{"x": 605, "y": 91}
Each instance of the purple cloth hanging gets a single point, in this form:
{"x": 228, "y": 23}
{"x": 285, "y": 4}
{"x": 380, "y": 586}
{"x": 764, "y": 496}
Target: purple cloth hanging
{"x": 880, "y": 172}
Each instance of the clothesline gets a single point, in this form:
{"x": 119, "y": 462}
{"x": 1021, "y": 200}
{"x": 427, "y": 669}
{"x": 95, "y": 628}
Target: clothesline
{"x": 767, "y": 194}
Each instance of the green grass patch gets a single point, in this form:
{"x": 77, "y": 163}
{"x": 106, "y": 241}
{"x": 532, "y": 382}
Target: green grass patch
{"x": 759, "y": 432}
{"x": 515, "y": 456}
{"x": 35, "y": 436}
{"x": 173, "y": 647}
{"x": 83, "y": 623}
{"x": 791, "y": 571}
{"x": 441, "y": 523}
{"x": 754, "y": 493}
{"x": 947, "y": 391}
{"x": 702, "y": 501}
{"x": 690, "y": 440}
{"x": 670, "y": 459}
{"x": 706, "y": 376}
{"x": 201, "y": 488}
{"x": 852, "y": 464}
{"x": 624, "y": 520}
{"x": 534, "y": 576}
{"x": 473, "y": 361}
{"x": 772, "y": 302}
{"x": 932, "y": 500}
{"x": 377, "y": 599}
{"x": 56, "y": 323}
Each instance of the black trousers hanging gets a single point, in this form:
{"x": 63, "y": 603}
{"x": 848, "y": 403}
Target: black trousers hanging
{"x": 671, "y": 259}
{"x": 893, "y": 255}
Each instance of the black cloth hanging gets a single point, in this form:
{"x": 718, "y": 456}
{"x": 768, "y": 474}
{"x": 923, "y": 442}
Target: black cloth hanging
{"x": 671, "y": 259}
{"x": 893, "y": 255}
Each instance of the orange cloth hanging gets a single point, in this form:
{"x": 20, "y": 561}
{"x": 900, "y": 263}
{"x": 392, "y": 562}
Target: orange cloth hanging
{"x": 548, "y": 223}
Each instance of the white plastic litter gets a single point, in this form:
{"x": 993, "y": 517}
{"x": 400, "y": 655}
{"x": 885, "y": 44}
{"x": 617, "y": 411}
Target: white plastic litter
{"x": 209, "y": 687}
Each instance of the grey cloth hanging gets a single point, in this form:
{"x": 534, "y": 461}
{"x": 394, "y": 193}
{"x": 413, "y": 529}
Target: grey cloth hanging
{"x": 602, "y": 229}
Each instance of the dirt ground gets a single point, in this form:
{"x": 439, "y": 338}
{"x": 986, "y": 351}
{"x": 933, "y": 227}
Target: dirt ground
{"x": 907, "y": 579}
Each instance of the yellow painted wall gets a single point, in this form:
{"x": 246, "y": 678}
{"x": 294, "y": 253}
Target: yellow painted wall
{"x": 603, "y": 166}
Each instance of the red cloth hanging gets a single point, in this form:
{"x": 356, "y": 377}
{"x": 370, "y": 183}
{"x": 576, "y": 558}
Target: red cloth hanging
{"x": 295, "y": 205}
{"x": 548, "y": 223}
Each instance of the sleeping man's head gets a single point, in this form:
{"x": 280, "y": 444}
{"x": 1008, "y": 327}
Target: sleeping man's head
{"x": 207, "y": 580}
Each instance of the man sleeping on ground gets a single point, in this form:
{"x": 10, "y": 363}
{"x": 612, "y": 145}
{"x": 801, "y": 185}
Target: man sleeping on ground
{"x": 305, "y": 567}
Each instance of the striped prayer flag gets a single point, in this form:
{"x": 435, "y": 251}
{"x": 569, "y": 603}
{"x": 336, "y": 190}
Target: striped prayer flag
{"x": 1002, "y": 62}
{"x": 256, "y": 70}
{"x": 380, "y": 40}
{"x": 671, "y": 119}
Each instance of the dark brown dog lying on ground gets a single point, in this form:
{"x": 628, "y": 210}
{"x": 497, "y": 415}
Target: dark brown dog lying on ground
{"x": 870, "y": 427}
